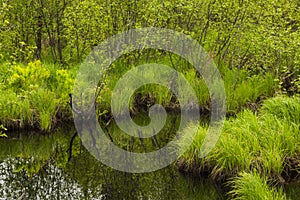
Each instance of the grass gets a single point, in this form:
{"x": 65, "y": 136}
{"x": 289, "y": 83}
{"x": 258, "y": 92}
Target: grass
{"x": 251, "y": 141}
{"x": 2, "y": 129}
{"x": 34, "y": 95}
{"x": 250, "y": 186}
{"x": 283, "y": 108}
{"x": 45, "y": 105}
{"x": 242, "y": 89}
{"x": 16, "y": 109}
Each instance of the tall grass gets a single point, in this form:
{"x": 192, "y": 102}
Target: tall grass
{"x": 242, "y": 90}
{"x": 44, "y": 103}
{"x": 250, "y": 141}
{"x": 283, "y": 108}
{"x": 20, "y": 81}
{"x": 250, "y": 186}
{"x": 15, "y": 109}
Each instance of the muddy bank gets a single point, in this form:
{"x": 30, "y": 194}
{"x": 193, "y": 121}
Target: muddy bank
{"x": 207, "y": 170}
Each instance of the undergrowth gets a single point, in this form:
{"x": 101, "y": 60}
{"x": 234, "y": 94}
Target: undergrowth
{"x": 36, "y": 94}
{"x": 32, "y": 95}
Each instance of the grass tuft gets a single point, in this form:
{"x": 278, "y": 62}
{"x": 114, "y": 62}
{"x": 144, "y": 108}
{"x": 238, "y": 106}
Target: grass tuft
{"x": 249, "y": 142}
{"x": 250, "y": 186}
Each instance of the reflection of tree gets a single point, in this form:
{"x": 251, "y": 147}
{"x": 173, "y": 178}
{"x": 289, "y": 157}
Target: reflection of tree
{"x": 39, "y": 168}
{"x": 97, "y": 180}
{"x": 48, "y": 183}
{"x": 82, "y": 118}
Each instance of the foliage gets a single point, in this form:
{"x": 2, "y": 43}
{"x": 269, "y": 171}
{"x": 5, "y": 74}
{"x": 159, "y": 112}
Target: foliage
{"x": 255, "y": 46}
{"x": 34, "y": 95}
{"x": 258, "y": 37}
{"x": 28, "y": 78}
{"x": 84, "y": 26}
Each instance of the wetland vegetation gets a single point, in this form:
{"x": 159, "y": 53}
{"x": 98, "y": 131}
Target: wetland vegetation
{"x": 255, "y": 46}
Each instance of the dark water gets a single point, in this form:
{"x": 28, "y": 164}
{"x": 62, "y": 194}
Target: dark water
{"x": 33, "y": 166}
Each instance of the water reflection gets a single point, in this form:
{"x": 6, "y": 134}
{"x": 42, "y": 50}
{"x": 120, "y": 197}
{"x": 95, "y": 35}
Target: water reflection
{"x": 37, "y": 167}
{"x": 49, "y": 183}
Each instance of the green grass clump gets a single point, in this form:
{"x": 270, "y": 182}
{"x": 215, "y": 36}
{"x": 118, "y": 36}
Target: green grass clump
{"x": 242, "y": 89}
{"x": 15, "y": 109}
{"x": 195, "y": 141}
{"x": 250, "y": 141}
{"x": 284, "y": 108}
{"x": 250, "y": 186}
{"x": 44, "y": 103}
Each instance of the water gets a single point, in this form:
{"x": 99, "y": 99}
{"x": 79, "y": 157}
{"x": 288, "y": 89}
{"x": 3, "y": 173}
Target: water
{"x": 33, "y": 166}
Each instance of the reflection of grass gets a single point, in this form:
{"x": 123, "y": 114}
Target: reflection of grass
{"x": 250, "y": 141}
{"x": 31, "y": 153}
{"x": 130, "y": 143}
{"x": 39, "y": 147}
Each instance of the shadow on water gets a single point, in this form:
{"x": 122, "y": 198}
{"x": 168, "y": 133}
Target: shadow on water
{"x": 37, "y": 167}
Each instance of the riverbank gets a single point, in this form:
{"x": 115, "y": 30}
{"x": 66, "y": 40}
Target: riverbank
{"x": 36, "y": 96}
{"x": 272, "y": 132}
{"x": 254, "y": 149}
